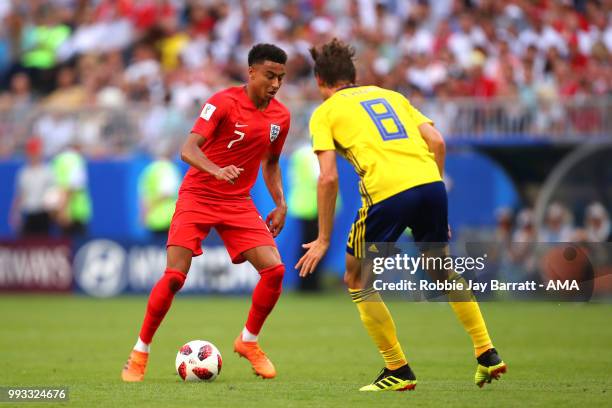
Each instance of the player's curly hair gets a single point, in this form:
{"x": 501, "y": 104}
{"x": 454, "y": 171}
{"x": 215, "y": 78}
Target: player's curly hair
{"x": 333, "y": 63}
{"x": 266, "y": 52}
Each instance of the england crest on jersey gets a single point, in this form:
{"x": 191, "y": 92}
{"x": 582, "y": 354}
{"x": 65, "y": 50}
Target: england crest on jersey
{"x": 274, "y": 132}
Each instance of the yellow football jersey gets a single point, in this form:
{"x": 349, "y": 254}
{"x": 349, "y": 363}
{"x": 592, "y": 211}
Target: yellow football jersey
{"x": 376, "y": 130}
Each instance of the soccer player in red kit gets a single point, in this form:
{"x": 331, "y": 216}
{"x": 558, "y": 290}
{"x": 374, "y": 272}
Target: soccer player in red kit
{"x": 238, "y": 129}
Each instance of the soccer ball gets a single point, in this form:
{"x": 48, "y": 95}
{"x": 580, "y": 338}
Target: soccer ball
{"x": 198, "y": 360}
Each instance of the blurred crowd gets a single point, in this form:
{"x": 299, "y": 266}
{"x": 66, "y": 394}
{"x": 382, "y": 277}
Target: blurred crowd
{"x": 525, "y": 247}
{"x": 160, "y": 59}
{"x": 559, "y": 225}
{"x": 52, "y": 197}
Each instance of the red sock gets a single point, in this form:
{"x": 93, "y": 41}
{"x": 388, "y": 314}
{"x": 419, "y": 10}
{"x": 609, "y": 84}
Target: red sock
{"x": 265, "y": 295}
{"x": 160, "y": 300}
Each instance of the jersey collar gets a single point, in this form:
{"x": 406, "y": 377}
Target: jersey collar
{"x": 251, "y": 103}
{"x": 347, "y": 87}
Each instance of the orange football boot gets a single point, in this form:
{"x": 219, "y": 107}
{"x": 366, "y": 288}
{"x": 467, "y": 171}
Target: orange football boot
{"x": 258, "y": 359}
{"x": 134, "y": 369}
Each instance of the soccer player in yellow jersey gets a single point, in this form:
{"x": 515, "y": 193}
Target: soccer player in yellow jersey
{"x": 399, "y": 157}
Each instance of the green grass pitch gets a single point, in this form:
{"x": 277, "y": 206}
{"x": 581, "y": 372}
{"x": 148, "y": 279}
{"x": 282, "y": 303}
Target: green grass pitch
{"x": 558, "y": 354}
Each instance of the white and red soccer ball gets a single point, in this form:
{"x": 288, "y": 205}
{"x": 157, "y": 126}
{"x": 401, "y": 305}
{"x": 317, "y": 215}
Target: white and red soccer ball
{"x": 198, "y": 360}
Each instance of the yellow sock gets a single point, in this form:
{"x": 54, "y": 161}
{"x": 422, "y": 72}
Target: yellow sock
{"x": 378, "y": 322}
{"x": 466, "y": 309}
{"x": 470, "y": 317}
{"x": 464, "y": 305}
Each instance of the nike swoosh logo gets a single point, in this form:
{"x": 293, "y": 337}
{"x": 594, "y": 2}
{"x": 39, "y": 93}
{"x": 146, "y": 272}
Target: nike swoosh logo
{"x": 240, "y": 125}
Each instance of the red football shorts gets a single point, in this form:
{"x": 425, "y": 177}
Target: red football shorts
{"x": 238, "y": 223}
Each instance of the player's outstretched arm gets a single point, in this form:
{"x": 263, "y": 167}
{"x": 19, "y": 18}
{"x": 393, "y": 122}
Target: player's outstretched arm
{"x": 271, "y": 171}
{"x": 436, "y": 144}
{"x": 327, "y": 192}
{"x": 192, "y": 154}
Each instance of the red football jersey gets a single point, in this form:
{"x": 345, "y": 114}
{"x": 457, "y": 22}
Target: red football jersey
{"x": 236, "y": 133}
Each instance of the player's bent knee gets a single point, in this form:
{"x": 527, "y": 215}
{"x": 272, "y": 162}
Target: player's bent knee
{"x": 178, "y": 259}
{"x": 352, "y": 280}
{"x": 176, "y": 279}
{"x": 352, "y": 275}
{"x": 273, "y": 276}
{"x": 263, "y": 257}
